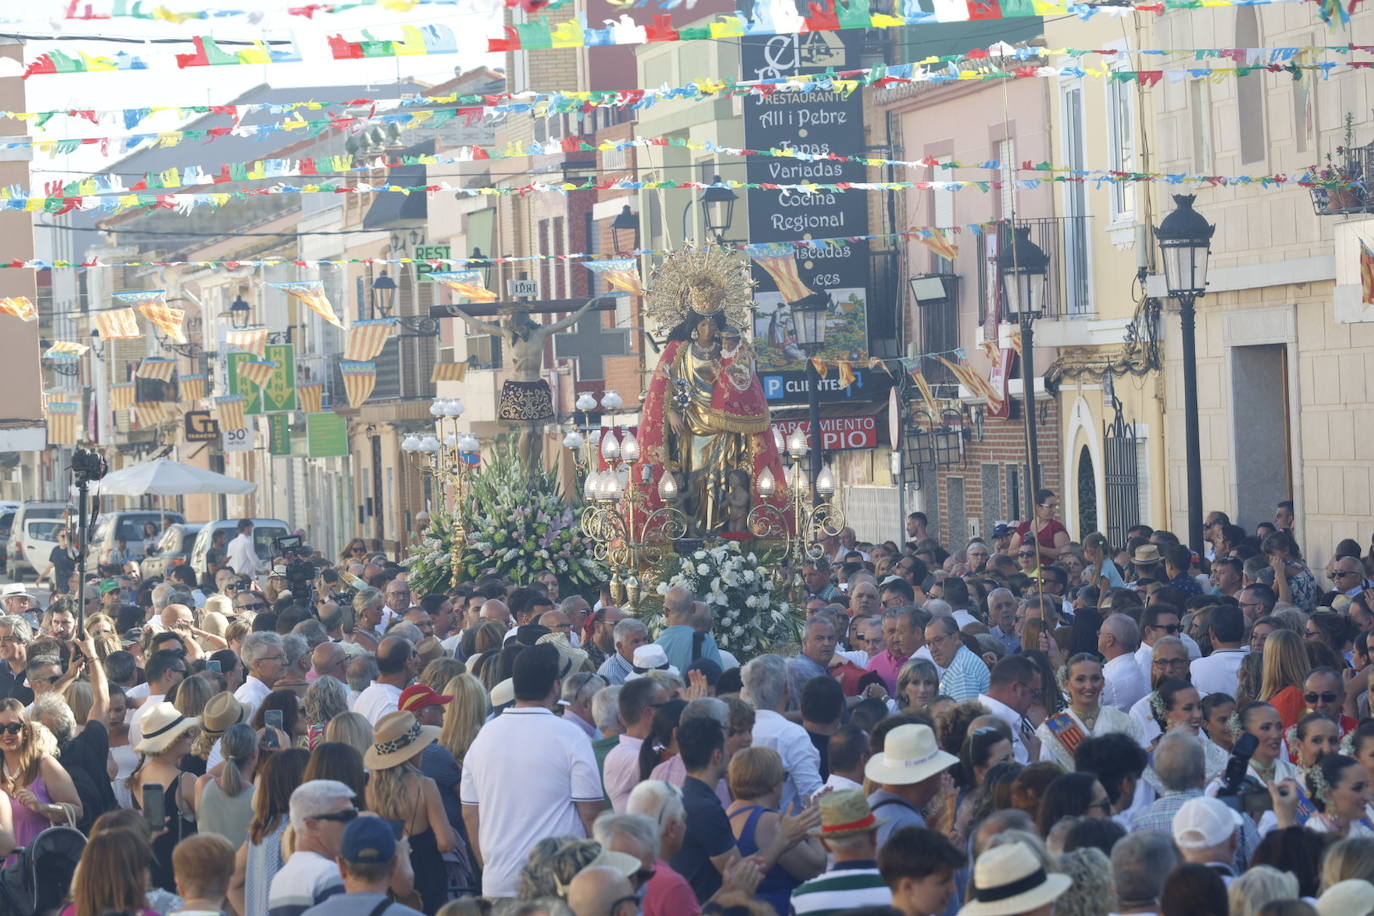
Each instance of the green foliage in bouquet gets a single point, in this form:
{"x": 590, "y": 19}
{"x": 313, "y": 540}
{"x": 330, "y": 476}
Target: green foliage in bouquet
{"x": 519, "y": 526}
{"x": 752, "y": 617}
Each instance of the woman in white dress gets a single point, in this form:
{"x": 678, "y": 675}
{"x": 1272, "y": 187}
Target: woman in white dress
{"x": 122, "y": 754}
{"x": 1176, "y": 706}
{"x": 1268, "y": 763}
{"x": 1081, "y": 680}
{"x": 1338, "y": 787}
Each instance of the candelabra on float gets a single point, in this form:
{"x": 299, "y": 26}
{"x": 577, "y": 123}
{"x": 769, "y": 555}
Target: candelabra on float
{"x": 449, "y": 457}
{"x": 807, "y": 514}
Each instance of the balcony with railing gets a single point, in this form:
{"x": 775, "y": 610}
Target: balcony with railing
{"x": 1064, "y": 239}
{"x": 1346, "y": 186}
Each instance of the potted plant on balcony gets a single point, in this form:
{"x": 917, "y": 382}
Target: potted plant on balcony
{"x": 1338, "y": 185}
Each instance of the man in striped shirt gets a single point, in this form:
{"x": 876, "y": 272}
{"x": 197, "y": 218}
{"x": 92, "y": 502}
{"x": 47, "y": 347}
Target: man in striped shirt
{"x": 849, "y": 833}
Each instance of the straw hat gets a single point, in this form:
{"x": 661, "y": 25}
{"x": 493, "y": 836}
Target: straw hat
{"x": 845, "y": 813}
{"x": 570, "y": 659}
{"x": 1146, "y": 555}
{"x": 429, "y": 649}
{"x": 396, "y": 738}
{"x": 1008, "y": 880}
{"x": 221, "y": 712}
{"x": 1352, "y": 897}
{"x": 503, "y": 693}
{"x": 910, "y": 754}
{"x": 162, "y": 725}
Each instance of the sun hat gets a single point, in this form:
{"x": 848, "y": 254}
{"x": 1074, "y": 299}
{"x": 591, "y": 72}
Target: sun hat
{"x": 428, "y": 650}
{"x": 569, "y": 659}
{"x": 396, "y": 738}
{"x": 1009, "y": 880}
{"x": 1146, "y": 555}
{"x": 367, "y": 840}
{"x": 910, "y": 754}
{"x": 503, "y": 694}
{"x": 1203, "y": 822}
{"x": 222, "y": 711}
{"x": 1353, "y": 897}
{"x": 417, "y": 696}
{"x": 651, "y": 657}
{"x": 845, "y": 813}
{"x": 16, "y": 590}
{"x": 162, "y": 725}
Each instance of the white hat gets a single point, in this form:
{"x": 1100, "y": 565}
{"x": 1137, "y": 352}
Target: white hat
{"x": 910, "y": 754}
{"x": 1354, "y": 897}
{"x": 503, "y": 693}
{"x": 1203, "y": 822}
{"x": 1008, "y": 880}
{"x": 162, "y": 725}
{"x": 651, "y": 657}
{"x": 15, "y": 590}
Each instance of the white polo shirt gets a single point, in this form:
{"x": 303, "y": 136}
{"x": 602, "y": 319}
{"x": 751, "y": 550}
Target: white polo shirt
{"x": 377, "y": 700}
{"x": 1218, "y": 672}
{"x": 525, "y": 771}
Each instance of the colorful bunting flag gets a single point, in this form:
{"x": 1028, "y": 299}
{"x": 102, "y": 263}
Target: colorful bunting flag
{"x": 359, "y": 379}
{"x": 252, "y": 340}
{"x": 467, "y": 283}
{"x": 117, "y": 324}
{"x": 1366, "y": 273}
{"x": 846, "y": 371}
{"x": 19, "y": 306}
{"x": 62, "y": 423}
{"x": 994, "y": 353}
{"x": 312, "y": 293}
{"x": 156, "y": 367}
{"x": 192, "y": 387}
{"x": 923, "y": 385}
{"x": 310, "y": 397}
{"x": 367, "y": 338}
{"x": 938, "y": 242}
{"x": 229, "y": 411}
{"x": 449, "y": 372}
{"x": 1016, "y": 341}
{"x": 65, "y": 349}
{"x": 122, "y": 396}
{"x": 620, "y": 273}
{"x": 152, "y": 304}
{"x": 258, "y": 372}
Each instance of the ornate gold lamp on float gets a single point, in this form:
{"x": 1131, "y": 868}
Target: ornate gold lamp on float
{"x": 701, "y": 465}
{"x": 449, "y": 457}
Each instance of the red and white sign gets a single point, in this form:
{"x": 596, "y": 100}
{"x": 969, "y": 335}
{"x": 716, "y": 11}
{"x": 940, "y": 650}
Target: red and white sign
{"x": 837, "y": 433}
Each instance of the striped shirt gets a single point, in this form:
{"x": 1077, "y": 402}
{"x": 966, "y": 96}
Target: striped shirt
{"x": 966, "y": 677}
{"x": 847, "y": 885}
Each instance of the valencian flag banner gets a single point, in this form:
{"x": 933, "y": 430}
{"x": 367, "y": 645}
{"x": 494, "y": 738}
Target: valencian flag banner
{"x": 117, "y": 324}
{"x": 258, "y": 372}
{"x": 155, "y": 413}
{"x": 252, "y": 340}
{"x": 62, "y": 422}
{"x": 367, "y": 338}
{"x": 152, "y": 304}
{"x": 20, "y": 307}
{"x": 783, "y": 269}
{"x": 1366, "y": 273}
{"x": 359, "y": 379}
{"x": 122, "y": 396}
{"x": 449, "y": 372}
{"x": 467, "y": 283}
{"x": 192, "y": 387}
{"x": 156, "y": 367}
{"x": 619, "y": 273}
{"x": 310, "y": 397}
{"x": 311, "y": 292}
{"x": 229, "y": 412}
{"x": 65, "y": 349}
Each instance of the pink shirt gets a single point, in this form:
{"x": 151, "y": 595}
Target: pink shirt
{"x": 668, "y": 893}
{"x": 888, "y": 666}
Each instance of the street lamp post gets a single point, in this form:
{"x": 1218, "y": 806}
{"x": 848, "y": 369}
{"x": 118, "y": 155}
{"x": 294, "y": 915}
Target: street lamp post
{"x": 383, "y": 295}
{"x": 1024, "y": 268}
{"x": 809, "y": 316}
{"x": 1185, "y": 241}
{"x": 718, "y": 204}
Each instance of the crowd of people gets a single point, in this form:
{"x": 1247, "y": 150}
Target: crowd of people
{"x": 1016, "y": 725}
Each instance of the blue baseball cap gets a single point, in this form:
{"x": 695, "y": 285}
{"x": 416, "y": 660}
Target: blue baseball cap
{"x": 368, "y": 841}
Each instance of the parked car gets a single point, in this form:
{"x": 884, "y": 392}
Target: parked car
{"x": 172, "y": 549}
{"x": 112, "y": 527}
{"x": 265, "y": 533}
{"x": 40, "y": 537}
{"x": 20, "y": 564}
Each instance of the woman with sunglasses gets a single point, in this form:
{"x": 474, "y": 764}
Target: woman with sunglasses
{"x": 1048, "y": 534}
{"x": 355, "y": 550}
{"x": 41, "y": 792}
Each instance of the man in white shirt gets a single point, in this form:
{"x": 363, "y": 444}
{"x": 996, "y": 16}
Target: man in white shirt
{"x": 397, "y": 662}
{"x": 847, "y": 753}
{"x": 320, "y": 810}
{"x": 558, "y": 792}
{"x": 1219, "y": 672}
{"x": 1156, "y": 622}
{"x": 1014, "y": 685}
{"x": 1117, "y": 640}
{"x": 241, "y": 555}
{"x": 165, "y": 670}
{"x": 265, "y": 657}
{"x": 765, "y": 686}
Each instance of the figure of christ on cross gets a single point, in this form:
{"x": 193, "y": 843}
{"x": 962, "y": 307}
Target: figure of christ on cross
{"x": 525, "y": 398}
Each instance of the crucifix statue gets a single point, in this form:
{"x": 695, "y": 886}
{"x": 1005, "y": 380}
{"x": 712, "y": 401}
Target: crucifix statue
{"x": 526, "y": 401}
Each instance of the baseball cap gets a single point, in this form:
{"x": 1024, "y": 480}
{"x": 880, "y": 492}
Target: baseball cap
{"x": 1204, "y": 822}
{"x": 107, "y": 586}
{"x": 417, "y": 696}
{"x": 367, "y": 840}
{"x": 1001, "y": 530}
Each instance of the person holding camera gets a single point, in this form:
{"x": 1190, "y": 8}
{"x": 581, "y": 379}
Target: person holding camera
{"x": 242, "y": 554}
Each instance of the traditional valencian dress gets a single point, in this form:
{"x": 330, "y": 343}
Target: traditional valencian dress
{"x": 1061, "y": 733}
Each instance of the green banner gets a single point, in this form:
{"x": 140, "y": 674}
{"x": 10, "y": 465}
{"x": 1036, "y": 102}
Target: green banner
{"x": 326, "y": 435}
{"x": 279, "y": 434}
{"x": 280, "y": 391}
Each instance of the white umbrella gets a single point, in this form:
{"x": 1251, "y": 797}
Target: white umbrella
{"x": 164, "y": 477}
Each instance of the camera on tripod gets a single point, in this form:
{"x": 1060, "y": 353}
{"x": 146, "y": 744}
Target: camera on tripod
{"x": 298, "y": 574}
{"x": 88, "y": 465}
{"x": 1239, "y": 790}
